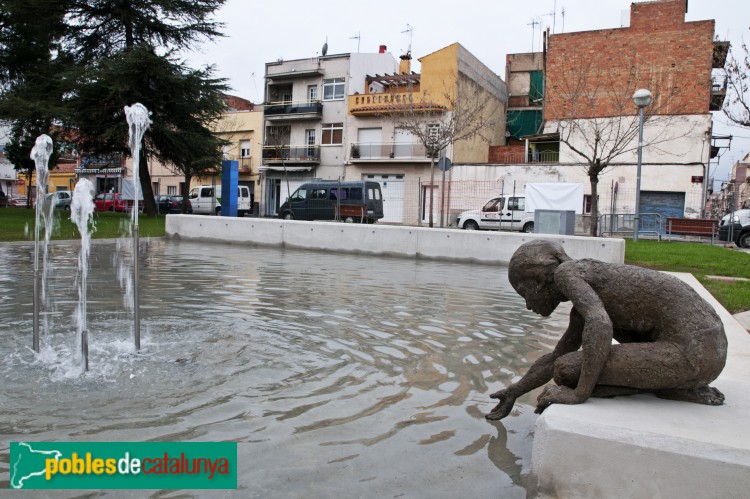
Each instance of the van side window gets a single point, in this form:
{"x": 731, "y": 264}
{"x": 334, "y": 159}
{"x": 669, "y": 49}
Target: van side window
{"x": 355, "y": 193}
{"x": 207, "y": 192}
{"x": 319, "y": 194}
{"x": 340, "y": 193}
{"x": 299, "y": 195}
{"x": 517, "y": 204}
{"x": 373, "y": 193}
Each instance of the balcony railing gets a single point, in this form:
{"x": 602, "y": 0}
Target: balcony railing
{"x": 293, "y": 110}
{"x": 532, "y": 157}
{"x": 385, "y": 151}
{"x": 245, "y": 163}
{"x": 292, "y": 154}
{"x": 718, "y": 92}
{"x": 389, "y": 103}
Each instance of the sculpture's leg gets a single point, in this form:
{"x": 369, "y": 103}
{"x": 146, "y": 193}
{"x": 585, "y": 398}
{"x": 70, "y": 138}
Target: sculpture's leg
{"x": 608, "y": 391}
{"x": 707, "y": 395}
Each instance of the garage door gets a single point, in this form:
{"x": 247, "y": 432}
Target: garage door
{"x": 392, "y": 187}
{"x": 666, "y": 204}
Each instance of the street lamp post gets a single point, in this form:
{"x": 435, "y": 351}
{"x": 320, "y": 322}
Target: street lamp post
{"x": 642, "y": 99}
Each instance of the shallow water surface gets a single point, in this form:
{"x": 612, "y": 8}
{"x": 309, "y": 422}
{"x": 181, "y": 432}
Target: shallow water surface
{"x": 338, "y": 375}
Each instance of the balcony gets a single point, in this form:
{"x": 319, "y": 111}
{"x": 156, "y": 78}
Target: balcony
{"x": 718, "y": 92}
{"x": 385, "y": 152}
{"x": 276, "y": 155}
{"x": 721, "y": 49}
{"x": 374, "y": 104}
{"x": 245, "y": 163}
{"x": 304, "y": 110}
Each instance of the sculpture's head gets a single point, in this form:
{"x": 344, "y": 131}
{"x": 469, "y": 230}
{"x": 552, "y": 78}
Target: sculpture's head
{"x": 531, "y": 272}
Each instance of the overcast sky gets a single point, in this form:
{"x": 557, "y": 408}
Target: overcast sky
{"x": 260, "y": 32}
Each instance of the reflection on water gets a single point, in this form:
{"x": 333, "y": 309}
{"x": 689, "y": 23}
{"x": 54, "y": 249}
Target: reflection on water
{"x": 337, "y": 374}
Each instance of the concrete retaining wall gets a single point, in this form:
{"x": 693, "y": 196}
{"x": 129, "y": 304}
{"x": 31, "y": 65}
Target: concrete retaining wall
{"x": 439, "y": 244}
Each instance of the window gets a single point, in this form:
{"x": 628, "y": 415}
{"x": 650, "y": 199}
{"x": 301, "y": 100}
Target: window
{"x": 245, "y": 149}
{"x": 434, "y": 131}
{"x": 355, "y": 193}
{"x": 319, "y": 194}
{"x": 516, "y": 204}
{"x": 171, "y": 190}
{"x": 225, "y": 151}
{"x": 493, "y": 205}
{"x": 299, "y": 195}
{"x": 333, "y": 89}
{"x": 312, "y": 92}
{"x": 333, "y": 133}
{"x": 587, "y": 204}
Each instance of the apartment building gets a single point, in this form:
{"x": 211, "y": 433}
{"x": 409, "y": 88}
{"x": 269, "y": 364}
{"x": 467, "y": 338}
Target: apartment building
{"x": 384, "y": 146}
{"x": 307, "y": 120}
{"x": 339, "y": 117}
{"x": 588, "y": 81}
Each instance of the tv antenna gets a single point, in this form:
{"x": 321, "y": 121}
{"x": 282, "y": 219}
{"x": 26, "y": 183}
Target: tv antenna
{"x": 357, "y": 37}
{"x": 409, "y": 29}
{"x": 534, "y": 23}
{"x": 562, "y": 12}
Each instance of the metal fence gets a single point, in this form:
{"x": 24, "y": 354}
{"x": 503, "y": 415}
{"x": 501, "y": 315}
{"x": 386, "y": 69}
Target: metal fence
{"x": 623, "y": 224}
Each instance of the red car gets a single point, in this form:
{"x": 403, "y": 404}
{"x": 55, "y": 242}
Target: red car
{"x": 105, "y": 201}
{"x": 113, "y": 201}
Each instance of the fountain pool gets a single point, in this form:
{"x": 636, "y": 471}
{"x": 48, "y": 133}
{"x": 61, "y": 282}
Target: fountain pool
{"x": 338, "y": 375}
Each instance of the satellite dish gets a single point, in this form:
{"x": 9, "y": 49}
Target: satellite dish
{"x": 324, "y": 50}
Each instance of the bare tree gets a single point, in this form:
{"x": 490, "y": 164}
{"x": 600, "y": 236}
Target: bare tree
{"x": 463, "y": 111}
{"x": 737, "y": 104}
{"x": 592, "y": 108}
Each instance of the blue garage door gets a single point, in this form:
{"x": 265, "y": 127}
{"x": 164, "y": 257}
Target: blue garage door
{"x": 667, "y": 204}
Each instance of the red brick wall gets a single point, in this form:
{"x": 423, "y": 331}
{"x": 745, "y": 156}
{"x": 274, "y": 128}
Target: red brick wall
{"x": 507, "y": 154}
{"x": 594, "y": 73}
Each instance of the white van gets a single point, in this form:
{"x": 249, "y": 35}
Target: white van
{"x": 504, "y": 212}
{"x": 204, "y": 200}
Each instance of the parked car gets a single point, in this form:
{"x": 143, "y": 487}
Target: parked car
{"x": 735, "y": 227}
{"x": 19, "y": 202}
{"x": 105, "y": 201}
{"x": 171, "y": 204}
{"x": 61, "y": 199}
{"x": 502, "y": 212}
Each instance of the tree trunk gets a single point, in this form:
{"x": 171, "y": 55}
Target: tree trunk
{"x": 149, "y": 204}
{"x": 185, "y": 191}
{"x": 594, "y": 180}
{"x": 432, "y": 182}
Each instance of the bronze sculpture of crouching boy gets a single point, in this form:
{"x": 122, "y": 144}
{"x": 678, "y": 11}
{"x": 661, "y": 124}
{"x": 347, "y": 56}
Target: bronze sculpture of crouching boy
{"x": 671, "y": 342}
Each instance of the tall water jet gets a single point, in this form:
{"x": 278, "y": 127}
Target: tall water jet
{"x": 40, "y": 153}
{"x": 81, "y": 214}
{"x": 138, "y": 122}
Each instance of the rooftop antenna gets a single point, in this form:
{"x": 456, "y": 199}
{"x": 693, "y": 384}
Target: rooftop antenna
{"x": 357, "y": 37}
{"x": 563, "y": 19}
{"x": 534, "y": 23}
{"x": 409, "y": 29}
{"x": 324, "y": 50}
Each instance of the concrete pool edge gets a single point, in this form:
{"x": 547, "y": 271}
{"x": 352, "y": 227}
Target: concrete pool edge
{"x": 416, "y": 242}
{"x": 641, "y": 446}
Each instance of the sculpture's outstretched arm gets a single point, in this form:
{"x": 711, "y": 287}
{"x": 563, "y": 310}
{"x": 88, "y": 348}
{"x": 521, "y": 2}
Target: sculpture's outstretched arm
{"x": 541, "y": 371}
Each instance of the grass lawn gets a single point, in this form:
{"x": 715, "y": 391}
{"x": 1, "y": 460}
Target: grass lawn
{"x": 18, "y": 225}
{"x": 701, "y": 260}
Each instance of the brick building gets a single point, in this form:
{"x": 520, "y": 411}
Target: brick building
{"x": 588, "y": 111}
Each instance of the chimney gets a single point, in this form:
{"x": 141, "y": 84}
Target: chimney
{"x": 404, "y": 67}
{"x": 383, "y": 49}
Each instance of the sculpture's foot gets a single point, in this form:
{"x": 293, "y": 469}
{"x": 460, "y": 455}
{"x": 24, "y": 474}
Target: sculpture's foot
{"x": 609, "y": 391}
{"x": 707, "y": 395}
{"x": 503, "y": 407}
